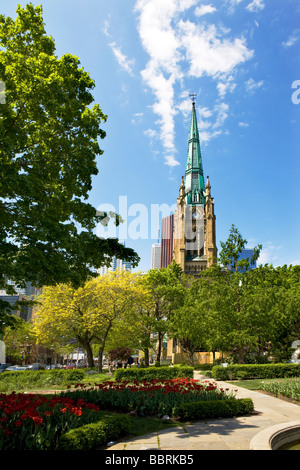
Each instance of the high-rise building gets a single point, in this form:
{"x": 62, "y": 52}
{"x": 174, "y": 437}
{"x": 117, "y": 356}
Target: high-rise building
{"x": 167, "y": 228}
{"x": 246, "y": 254}
{"x": 194, "y": 237}
{"x": 115, "y": 264}
{"x": 21, "y": 293}
{"x": 155, "y": 260}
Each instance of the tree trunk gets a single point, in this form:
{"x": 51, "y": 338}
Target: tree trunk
{"x": 90, "y": 357}
{"x": 240, "y": 353}
{"x": 159, "y": 347}
{"x": 102, "y": 346}
{"x": 88, "y": 349}
{"x": 191, "y": 358}
{"x": 146, "y": 356}
{"x": 100, "y": 358}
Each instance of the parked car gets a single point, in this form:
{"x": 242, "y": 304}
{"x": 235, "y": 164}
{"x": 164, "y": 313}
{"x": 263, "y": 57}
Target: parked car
{"x": 4, "y": 367}
{"x": 53, "y": 366}
{"x": 70, "y": 366}
{"x": 36, "y": 366}
{"x": 16, "y": 367}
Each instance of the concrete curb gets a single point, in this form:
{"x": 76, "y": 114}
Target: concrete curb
{"x": 277, "y": 436}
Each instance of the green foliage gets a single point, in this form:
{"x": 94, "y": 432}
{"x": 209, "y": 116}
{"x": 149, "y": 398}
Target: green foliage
{"x": 255, "y": 371}
{"x": 94, "y": 435}
{"x": 214, "y": 409}
{"x": 152, "y": 397}
{"x": 289, "y": 388}
{"x": 149, "y": 373}
{"x": 33, "y": 379}
{"x": 233, "y": 247}
{"x": 49, "y": 132}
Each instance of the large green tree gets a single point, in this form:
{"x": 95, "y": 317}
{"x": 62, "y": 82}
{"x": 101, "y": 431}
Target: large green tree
{"x": 166, "y": 288}
{"x": 232, "y": 248}
{"x": 50, "y": 129}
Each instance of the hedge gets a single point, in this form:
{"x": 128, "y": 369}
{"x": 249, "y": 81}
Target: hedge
{"x": 91, "y": 436}
{"x": 148, "y": 373}
{"x": 214, "y": 409}
{"x": 255, "y": 371}
{"x": 33, "y": 378}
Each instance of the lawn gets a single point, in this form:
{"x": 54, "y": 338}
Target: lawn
{"x": 288, "y": 388}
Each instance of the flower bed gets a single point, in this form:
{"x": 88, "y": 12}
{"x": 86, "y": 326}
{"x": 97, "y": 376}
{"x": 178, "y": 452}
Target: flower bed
{"x": 289, "y": 388}
{"x": 149, "y": 397}
{"x": 35, "y": 422}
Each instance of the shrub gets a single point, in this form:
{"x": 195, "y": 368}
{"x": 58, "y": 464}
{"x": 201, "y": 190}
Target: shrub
{"x": 204, "y": 367}
{"x": 255, "y": 371}
{"x": 36, "y": 422}
{"x": 149, "y": 373}
{"x": 153, "y": 397}
{"x": 214, "y": 409}
{"x": 94, "y": 435}
{"x": 30, "y": 379}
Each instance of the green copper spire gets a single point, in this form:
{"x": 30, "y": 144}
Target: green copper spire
{"x": 194, "y": 181}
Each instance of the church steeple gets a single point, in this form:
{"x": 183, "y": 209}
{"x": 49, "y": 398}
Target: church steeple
{"x": 194, "y": 181}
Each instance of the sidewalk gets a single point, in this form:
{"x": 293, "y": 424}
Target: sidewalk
{"x": 219, "y": 434}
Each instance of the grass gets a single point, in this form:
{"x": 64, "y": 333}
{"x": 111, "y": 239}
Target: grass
{"x": 250, "y": 384}
{"x": 285, "y": 388}
{"x": 253, "y": 384}
{"x": 10, "y": 386}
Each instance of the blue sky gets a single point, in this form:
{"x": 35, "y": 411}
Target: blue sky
{"x": 241, "y": 58}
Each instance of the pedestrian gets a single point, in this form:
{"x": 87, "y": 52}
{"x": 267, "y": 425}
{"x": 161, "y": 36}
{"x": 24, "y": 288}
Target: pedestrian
{"x": 130, "y": 361}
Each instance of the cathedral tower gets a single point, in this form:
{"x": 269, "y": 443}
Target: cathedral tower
{"x": 194, "y": 238}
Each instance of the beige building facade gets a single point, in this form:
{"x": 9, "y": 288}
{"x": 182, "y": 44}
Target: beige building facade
{"x": 194, "y": 234}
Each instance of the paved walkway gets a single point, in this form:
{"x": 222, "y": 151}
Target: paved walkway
{"x": 219, "y": 434}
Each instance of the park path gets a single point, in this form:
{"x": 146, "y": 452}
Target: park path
{"x": 219, "y": 434}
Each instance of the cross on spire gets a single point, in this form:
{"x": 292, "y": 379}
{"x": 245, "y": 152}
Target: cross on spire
{"x": 193, "y": 96}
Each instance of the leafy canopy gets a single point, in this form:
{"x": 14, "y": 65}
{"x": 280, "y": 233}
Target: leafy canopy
{"x": 49, "y": 143}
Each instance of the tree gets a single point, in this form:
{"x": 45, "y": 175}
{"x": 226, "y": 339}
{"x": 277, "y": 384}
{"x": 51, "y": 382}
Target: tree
{"x": 19, "y": 341}
{"x": 111, "y": 299}
{"x": 202, "y": 321}
{"x": 166, "y": 289}
{"x": 233, "y": 247}
{"x": 89, "y": 313}
{"x": 60, "y": 319}
{"x": 138, "y": 331}
{"x": 49, "y": 133}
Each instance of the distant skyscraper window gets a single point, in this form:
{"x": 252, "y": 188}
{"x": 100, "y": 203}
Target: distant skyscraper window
{"x": 167, "y": 226}
{"x": 155, "y": 262}
{"x": 116, "y": 264}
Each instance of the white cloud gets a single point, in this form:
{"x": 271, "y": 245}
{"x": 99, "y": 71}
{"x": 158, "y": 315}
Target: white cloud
{"x": 204, "y": 9}
{"x": 226, "y": 85}
{"x": 270, "y": 254}
{"x": 123, "y": 61}
{"x": 292, "y": 39}
{"x": 151, "y": 133}
{"x": 169, "y": 42}
{"x": 222, "y": 114}
{"x": 210, "y": 54}
{"x": 105, "y": 28}
{"x": 243, "y": 124}
{"x": 252, "y": 85}
{"x": 232, "y": 5}
{"x": 256, "y": 5}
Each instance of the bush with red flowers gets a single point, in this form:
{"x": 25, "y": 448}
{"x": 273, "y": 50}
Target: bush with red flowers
{"x": 150, "y": 397}
{"x": 36, "y": 422}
